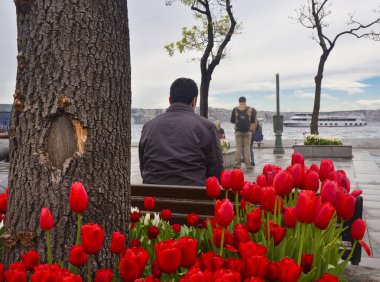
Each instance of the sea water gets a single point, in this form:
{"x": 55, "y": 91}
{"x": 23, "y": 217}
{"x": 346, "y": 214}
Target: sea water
{"x": 371, "y": 130}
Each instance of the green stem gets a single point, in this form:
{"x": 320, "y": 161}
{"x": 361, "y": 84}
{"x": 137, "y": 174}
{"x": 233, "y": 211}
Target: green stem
{"x": 114, "y": 279}
{"x": 222, "y": 243}
{"x": 47, "y": 233}
{"x": 77, "y": 242}
{"x": 226, "y": 194}
{"x": 275, "y": 210}
{"x": 237, "y": 207}
{"x": 301, "y": 243}
{"x": 89, "y": 268}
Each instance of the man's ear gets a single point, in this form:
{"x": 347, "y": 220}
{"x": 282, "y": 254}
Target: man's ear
{"x": 194, "y": 102}
{"x": 170, "y": 100}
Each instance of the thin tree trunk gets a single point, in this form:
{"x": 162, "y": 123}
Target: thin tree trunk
{"x": 70, "y": 122}
{"x": 204, "y": 88}
{"x": 317, "y": 99}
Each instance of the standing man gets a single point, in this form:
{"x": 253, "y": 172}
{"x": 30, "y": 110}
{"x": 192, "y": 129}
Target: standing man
{"x": 244, "y": 119}
{"x": 180, "y": 147}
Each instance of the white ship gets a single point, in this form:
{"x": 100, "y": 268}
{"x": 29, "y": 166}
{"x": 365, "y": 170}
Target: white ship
{"x": 303, "y": 120}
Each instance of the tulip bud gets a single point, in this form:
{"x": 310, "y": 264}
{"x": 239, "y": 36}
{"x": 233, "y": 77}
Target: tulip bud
{"x": 358, "y": 229}
{"x": 78, "y": 198}
{"x": 77, "y": 256}
{"x": 212, "y": 187}
{"x": 117, "y": 243}
{"x": 46, "y": 219}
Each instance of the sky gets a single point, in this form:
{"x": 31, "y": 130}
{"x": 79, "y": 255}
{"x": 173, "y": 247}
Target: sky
{"x": 270, "y": 43}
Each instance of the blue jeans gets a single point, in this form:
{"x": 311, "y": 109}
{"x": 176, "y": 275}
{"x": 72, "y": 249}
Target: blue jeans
{"x": 252, "y": 153}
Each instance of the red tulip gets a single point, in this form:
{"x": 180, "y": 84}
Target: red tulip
{"x": 290, "y": 219}
{"x": 256, "y": 266}
{"x": 166, "y": 214}
{"x": 92, "y": 238}
{"x": 225, "y": 179}
{"x": 306, "y": 262}
{"x": 195, "y": 275}
{"x": 4, "y": 201}
{"x": 211, "y": 261}
{"x": 314, "y": 167}
{"x": 289, "y": 270}
{"x": 192, "y": 219}
{"x": 250, "y": 248}
{"x": 189, "y": 249}
{"x": 212, "y": 221}
{"x": 252, "y": 193}
{"x": 328, "y": 191}
{"x": 235, "y": 264}
{"x": 78, "y": 198}
{"x": 223, "y": 212}
{"x": 241, "y": 234}
{"x": 276, "y": 232}
{"x": 237, "y": 180}
{"x": 297, "y": 172}
{"x": 135, "y": 216}
{"x": 356, "y": 193}
{"x": 149, "y": 203}
{"x": 254, "y": 220}
{"x": 77, "y": 256}
{"x": 103, "y": 275}
{"x": 327, "y": 277}
{"x": 305, "y": 207}
{"x": 272, "y": 274}
{"x": 268, "y": 197}
{"x": 30, "y": 259}
{"x": 176, "y": 227}
{"x": 343, "y": 180}
{"x": 226, "y": 275}
{"x": 358, "y": 229}
{"x": 283, "y": 182}
{"x": 345, "y": 205}
{"x": 16, "y": 273}
{"x": 325, "y": 169}
{"x": 212, "y": 187}
{"x": 324, "y": 214}
{"x": 52, "y": 272}
{"x": 271, "y": 175}
{"x": 132, "y": 264}
{"x": 2, "y": 272}
{"x": 117, "y": 243}
{"x": 46, "y": 219}
{"x": 261, "y": 180}
{"x": 168, "y": 255}
{"x": 297, "y": 158}
{"x": 311, "y": 181}
{"x": 333, "y": 176}
{"x": 135, "y": 243}
{"x": 153, "y": 232}
{"x": 217, "y": 236}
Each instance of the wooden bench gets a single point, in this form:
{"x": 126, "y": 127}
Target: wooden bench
{"x": 182, "y": 200}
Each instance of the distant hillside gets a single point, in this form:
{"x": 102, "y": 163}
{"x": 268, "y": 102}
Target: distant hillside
{"x": 144, "y": 115}
{"x": 141, "y": 116}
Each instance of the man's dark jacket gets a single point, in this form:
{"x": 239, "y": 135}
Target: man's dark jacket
{"x": 179, "y": 147}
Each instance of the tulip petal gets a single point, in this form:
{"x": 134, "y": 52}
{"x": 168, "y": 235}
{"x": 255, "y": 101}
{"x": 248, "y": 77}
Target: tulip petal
{"x": 365, "y": 247}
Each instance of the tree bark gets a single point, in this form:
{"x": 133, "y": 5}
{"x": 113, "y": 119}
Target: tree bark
{"x": 204, "y": 88}
{"x": 70, "y": 122}
{"x": 317, "y": 98}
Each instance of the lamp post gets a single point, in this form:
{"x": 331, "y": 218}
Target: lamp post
{"x": 278, "y": 121}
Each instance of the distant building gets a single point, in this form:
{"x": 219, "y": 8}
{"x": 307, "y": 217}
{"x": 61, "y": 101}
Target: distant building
{"x": 5, "y": 119}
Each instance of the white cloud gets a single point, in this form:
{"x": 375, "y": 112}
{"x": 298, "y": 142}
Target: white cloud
{"x": 370, "y": 104}
{"x": 311, "y": 95}
{"x": 269, "y": 44}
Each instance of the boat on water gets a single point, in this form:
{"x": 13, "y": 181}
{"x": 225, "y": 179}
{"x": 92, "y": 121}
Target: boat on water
{"x": 304, "y": 119}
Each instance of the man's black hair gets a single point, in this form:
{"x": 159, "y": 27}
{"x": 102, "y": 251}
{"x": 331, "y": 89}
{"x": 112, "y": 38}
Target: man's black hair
{"x": 183, "y": 90}
{"x": 242, "y": 100}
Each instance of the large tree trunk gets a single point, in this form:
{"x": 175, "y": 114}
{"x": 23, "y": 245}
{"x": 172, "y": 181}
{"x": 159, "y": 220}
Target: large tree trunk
{"x": 204, "y": 88}
{"x": 317, "y": 98}
{"x": 70, "y": 122}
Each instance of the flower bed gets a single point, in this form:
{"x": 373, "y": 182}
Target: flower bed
{"x": 313, "y": 139}
{"x": 278, "y": 229}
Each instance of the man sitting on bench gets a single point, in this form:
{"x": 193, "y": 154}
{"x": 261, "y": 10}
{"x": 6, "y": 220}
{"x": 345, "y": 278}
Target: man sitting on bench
{"x": 180, "y": 147}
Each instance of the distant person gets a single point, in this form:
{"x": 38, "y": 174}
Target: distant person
{"x": 180, "y": 147}
{"x": 244, "y": 119}
{"x": 220, "y": 130}
{"x": 257, "y": 136}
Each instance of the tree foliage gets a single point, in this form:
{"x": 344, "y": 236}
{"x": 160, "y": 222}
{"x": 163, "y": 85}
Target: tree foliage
{"x": 313, "y": 15}
{"x": 210, "y": 37}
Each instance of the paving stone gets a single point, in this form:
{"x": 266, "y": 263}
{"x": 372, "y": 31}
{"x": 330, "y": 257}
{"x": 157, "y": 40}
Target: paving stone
{"x": 373, "y": 224}
{"x": 373, "y": 197}
{"x": 372, "y": 213}
{"x": 372, "y": 205}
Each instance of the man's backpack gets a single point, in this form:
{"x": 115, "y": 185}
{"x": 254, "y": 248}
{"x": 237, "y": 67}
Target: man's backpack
{"x": 242, "y": 120}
